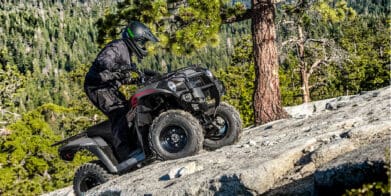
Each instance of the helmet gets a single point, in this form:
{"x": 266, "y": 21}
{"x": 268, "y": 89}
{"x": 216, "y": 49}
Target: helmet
{"x": 136, "y": 34}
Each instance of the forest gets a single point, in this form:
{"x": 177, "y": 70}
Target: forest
{"x": 46, "y": 48}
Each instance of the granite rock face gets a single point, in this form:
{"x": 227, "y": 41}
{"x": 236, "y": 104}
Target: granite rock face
{"x": 337, "y": 143}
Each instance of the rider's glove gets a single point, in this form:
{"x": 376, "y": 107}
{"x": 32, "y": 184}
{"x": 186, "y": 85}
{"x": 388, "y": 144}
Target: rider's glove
{"x": 126, "y": 81}
{"x": 128, "y": 67}
{"x": 120, "y": 75}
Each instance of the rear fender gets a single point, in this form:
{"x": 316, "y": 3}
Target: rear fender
{"x": 94, "y": 145}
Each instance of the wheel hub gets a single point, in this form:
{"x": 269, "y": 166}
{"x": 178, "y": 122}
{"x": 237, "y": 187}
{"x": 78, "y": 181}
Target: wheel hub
{"x": 220, "y": 128}
{"x": 88, "y": 183}
{"x": 173, "y": 139}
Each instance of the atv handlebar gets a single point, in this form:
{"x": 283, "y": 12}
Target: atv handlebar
{"x": 141, "y": 76}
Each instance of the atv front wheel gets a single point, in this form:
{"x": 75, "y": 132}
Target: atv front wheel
{"x": 175, "y": 134}
{"x": 227, "y": 127}
{"x": 88, "y": 176}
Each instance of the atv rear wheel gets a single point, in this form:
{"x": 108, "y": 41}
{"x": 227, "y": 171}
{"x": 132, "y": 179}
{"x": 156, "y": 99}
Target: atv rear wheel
{"x": 175, "y": 134}
{"x": 227, "y": 130}
{"x": 88, "y": 176}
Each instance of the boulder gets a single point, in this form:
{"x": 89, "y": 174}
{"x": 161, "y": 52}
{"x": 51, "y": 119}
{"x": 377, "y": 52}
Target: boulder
{"x": 317, "y": 150}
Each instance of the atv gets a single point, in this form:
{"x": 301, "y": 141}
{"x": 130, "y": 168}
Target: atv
{"x": 175, "y": 115}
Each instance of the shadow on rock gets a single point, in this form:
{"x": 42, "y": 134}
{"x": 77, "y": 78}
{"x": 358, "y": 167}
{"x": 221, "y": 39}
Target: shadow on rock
{"x": 110, "y": 193}
{"x": 334, "y": 181}
{"x": 302, "y": 187}
{"x": 229, "y": 185}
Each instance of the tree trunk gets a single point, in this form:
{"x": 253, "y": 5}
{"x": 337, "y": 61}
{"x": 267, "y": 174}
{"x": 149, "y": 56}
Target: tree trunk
{"x": 305, "y": 86}
{"x": 303, "y": 67}
{"x": 267, "y": 97}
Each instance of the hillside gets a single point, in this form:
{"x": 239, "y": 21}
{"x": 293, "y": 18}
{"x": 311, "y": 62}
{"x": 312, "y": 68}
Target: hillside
{"x": 46, "y": 48}
{"x": 325, "y": 147}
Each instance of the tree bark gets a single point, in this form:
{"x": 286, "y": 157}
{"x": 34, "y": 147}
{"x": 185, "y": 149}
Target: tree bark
{"x": 267, "y": 98}
{"x": 305, "y": 85}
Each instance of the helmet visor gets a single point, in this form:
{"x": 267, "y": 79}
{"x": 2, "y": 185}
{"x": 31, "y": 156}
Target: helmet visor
{"x": 150, "y": 37}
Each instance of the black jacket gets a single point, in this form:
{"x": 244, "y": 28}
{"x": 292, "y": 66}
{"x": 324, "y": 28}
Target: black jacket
{"x": 113, "y": 58}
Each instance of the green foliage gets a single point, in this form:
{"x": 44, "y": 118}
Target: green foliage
{"x": 336, "y": 13}
{"x": 239, "y": 83}
{"x": 356, "y": 50}
{"x": 367, "y": 41}
{"x": 239, "y": 80}
{"x": 181, "y": 26}
{"x": 40, "y": 43}
{"x": 11, "y": 83}
{"x": 290, "y": 82}
{"x": 28, "y": 163}
{"x": 375, "y": 188}
{"x": 46, "y": 36}
{"x": 46, "y": 48}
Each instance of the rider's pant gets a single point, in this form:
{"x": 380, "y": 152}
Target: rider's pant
{"x": 114, "y": 105}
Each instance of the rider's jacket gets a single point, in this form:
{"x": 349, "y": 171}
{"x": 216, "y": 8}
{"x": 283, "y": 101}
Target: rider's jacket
{"x": 113, "y": 58}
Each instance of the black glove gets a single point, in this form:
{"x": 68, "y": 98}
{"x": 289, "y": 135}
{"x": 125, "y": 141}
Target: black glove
{"x": 120, "y": 75}
{"x": 129, "y": 67}
{"x": 128, "y": 81}
{"x": 149, "y": 72}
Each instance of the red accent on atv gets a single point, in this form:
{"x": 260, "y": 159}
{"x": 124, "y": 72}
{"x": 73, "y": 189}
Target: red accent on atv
{"x": 134, "y": 98}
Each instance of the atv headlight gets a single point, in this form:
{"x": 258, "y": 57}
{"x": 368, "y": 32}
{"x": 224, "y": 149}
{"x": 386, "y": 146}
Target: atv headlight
{"x": 171, "y": 86}
{"x": 209, "y": 74}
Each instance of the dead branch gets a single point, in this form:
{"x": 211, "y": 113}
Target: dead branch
{"x": 317, "y": 40}
{"x": 4, "y": 132}
{"x": 316, "y": 65}
{"x": 289, "y": 41}
{"x": 316, "y": 85}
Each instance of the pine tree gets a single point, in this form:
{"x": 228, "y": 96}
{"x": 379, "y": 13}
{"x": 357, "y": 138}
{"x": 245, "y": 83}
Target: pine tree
{"x": 185, "y": 26}
{"x": 313, "y": 53}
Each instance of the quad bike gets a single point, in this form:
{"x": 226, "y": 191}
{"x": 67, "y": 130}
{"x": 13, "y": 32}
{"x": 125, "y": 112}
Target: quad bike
{"x": 175, "y": 115}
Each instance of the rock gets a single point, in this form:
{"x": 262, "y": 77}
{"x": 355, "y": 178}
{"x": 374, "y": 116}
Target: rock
{"x": 307, "y": 169}
{"x": 266, "y": 143}
{"x": 335, "y": 105}
{"x": 245, "y": 146}
{"x": 252, "y": 143}
{"x": 354, "y": 122}
{"x": 371, "y": 129}
{"x": 68, "y": 191}
{"x": 181, "y": 171}
{"x": 304, "y": 111}
{"x": 330, "y": 151}
{"x": 307, "y": 109}
{"x": 296, "y": 156}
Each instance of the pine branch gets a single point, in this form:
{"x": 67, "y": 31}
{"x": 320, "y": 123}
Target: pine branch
{"x": 228, "y": 19}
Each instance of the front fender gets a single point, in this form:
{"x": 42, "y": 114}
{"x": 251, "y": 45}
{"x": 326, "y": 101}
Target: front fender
{"x": 144, "y": 116}
{"x": 145, "y": 93}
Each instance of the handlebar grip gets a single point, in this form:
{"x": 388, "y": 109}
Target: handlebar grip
{"x": 141, "y": 75}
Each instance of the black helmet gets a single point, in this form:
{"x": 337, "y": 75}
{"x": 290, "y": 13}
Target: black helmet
{"x": 136, "y": 34}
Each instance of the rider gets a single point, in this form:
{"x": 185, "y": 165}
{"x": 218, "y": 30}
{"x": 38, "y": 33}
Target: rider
{"x": 108, "y": 72}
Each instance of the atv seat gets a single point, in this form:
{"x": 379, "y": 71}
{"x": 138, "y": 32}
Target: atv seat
{"x": 103, "y": 130}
